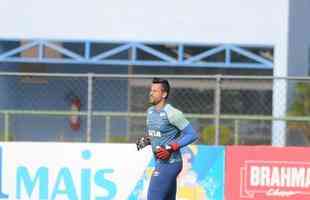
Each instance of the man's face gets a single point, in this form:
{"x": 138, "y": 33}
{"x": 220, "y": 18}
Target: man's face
{"x": 156, "y": 94}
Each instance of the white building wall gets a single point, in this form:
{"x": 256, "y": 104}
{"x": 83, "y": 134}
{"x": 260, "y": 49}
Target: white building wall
{"x": 200, "y": 21}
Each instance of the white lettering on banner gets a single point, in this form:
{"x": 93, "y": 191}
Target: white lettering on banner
{"x": 65, "y": 184}
{"x": 279, "y": 177}
{"x": 282, "y": 179}
{"x": 278, "y": 192}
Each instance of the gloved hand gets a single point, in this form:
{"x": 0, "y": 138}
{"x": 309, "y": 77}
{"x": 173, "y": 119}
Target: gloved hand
{"x": 162, "y": 153}
{"x": 165, "y": 153}
{"x": 174, "y": 147}
{"x": 143, "y": 142}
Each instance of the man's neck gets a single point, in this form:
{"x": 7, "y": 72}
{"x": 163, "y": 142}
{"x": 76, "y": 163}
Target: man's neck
{"x": 160, "y": 105}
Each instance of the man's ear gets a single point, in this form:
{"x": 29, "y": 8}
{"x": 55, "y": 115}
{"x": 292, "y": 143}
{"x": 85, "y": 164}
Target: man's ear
{"x": 164, "y": 95}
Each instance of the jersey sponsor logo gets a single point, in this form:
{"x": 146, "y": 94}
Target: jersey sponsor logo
{"x": 154, "y": 133}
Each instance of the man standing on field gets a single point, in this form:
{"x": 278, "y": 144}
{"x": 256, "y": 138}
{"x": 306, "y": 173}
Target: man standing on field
{"x": 167, "y": 132}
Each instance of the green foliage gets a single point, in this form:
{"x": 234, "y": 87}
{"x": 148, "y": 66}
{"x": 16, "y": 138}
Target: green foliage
{"x": 301, "y": 107}
{"x": 118, "y": 139}
{"x": 208, "y": 135}
{"x": 301, "y": 103}
{"x": 11, "y": 137}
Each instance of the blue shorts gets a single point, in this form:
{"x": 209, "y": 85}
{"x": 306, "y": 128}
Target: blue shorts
{"x": 163, "y": 183}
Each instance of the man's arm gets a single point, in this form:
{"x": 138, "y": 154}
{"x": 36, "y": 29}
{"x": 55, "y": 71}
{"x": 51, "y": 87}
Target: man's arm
{"x": 188, "y": 133}
{"x": 188, "y": 136}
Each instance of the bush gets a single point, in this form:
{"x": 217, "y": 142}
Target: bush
{"x": 301, "y": 108}
{"x": 208, "y": 135}
{"x": 118, "y": 139}
{"x": 11, "y": 137}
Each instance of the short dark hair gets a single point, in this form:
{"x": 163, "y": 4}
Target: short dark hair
{"x": 164, "y": 84}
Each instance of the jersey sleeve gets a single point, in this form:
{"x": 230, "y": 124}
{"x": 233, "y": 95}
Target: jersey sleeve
{"x": 176, "y": 118}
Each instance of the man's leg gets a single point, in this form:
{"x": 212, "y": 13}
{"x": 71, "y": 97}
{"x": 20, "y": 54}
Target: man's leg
{"x": 163, "y": 181}
{"x": 173, "y": 191}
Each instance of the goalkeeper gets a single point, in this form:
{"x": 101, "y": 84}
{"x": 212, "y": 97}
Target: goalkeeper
{"x": 168, "y": 131}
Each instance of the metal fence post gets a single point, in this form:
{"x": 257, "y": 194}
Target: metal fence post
{"x": 107, "y": 128}
{"x": 279, "y": 98}
{"x": 6, "y": 126}
{"x": 89, "y": 107}
{"x": 236, "y": 131}
{"x": 217, "y": 109}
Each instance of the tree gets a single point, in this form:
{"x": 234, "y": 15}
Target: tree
{"x": 208, "y": 135}
{"x": 301, "y": 108}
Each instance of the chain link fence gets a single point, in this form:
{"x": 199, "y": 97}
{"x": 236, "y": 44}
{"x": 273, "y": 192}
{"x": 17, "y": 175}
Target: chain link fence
{"x": 111, "y": 108}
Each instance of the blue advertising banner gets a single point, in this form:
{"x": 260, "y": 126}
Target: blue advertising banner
{"x": 78, "y": 171}
{"x": 202, "y": 176}
{"x": 69, "y": 171}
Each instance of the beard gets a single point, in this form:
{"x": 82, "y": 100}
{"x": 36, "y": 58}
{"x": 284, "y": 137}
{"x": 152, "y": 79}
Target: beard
{"x": 152, "y": 101}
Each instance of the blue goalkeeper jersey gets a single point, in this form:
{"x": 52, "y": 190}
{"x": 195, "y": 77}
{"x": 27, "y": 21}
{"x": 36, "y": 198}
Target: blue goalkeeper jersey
{"x": 164, "y": 127}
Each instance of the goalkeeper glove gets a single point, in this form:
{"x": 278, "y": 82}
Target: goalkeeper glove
{"x": 143, "y": 142}
{"x": 165, "y": 153}
{"x": 174, "y": 147}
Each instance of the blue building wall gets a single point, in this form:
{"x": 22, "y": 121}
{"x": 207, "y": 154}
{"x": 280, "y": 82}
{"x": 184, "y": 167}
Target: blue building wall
{"x": 7, "y": 86}
{"x": 108, "y": 95}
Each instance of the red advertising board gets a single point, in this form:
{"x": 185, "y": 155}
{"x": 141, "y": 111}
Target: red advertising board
{"x": 267, "y": 173}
